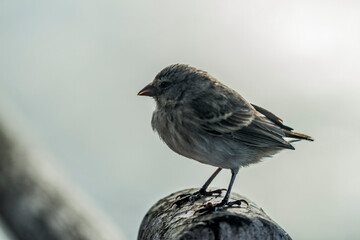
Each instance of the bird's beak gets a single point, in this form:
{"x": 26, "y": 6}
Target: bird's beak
{"x": 148, "y": 90}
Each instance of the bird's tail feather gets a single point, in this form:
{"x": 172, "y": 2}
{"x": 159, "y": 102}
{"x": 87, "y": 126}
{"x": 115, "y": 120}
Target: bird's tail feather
{"x": 297, "y": 135}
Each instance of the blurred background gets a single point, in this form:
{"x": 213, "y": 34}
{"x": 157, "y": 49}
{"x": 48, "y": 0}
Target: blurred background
{"x": 70, "y": 72}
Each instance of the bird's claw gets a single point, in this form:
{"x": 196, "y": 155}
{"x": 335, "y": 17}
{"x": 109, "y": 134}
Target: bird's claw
{"x": 238, "y": 202}
{"x": 209, "y": 206}
{"x": 183, "y": 198}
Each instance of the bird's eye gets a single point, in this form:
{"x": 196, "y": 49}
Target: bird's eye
{"x": 165, "y": 84}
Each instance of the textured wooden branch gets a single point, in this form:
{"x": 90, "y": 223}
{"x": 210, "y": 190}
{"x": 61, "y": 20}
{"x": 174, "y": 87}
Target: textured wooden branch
{"x": 164, "y": 221}
{"x": 35, "y": 203}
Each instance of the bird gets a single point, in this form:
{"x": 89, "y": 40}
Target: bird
{"x": 202, "y": 119}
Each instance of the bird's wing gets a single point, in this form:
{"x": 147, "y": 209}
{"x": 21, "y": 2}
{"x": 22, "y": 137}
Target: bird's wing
{"x": 222, "y": 114}
{"x": 261, "y": 132}
{"x": 272, "y": 117}
{"x": 231, "y": 117}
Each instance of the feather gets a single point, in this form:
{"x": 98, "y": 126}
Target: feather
{"x": 238, "y": 121}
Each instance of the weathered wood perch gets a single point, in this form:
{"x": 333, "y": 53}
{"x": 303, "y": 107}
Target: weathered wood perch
{"x": 164, "y": 221}
{"x": 35, "y": 204}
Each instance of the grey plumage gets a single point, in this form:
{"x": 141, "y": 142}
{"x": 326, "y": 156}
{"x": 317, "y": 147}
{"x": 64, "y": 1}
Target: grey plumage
{"x": 202, "y": 119}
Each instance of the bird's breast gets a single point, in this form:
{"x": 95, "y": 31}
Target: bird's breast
{"x": 174, "y": 130}
{"x": 182, "y": 135}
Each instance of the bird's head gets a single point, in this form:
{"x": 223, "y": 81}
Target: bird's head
{"x": 177, "y": 84}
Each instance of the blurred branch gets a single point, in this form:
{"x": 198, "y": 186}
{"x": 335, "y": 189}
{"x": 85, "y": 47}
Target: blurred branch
{"x": 164, "y": 221}
{"x": 35, "y": 204}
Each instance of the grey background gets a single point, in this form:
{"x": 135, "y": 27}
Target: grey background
{"x": 70, "y": 71}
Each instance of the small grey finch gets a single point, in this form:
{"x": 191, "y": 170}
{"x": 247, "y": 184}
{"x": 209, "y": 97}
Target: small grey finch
{"x": 202, "y": 119}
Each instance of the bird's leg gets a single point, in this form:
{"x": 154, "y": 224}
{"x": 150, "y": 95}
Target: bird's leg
{"x": 202, "y": 192}
{"x": 225, "y": 201}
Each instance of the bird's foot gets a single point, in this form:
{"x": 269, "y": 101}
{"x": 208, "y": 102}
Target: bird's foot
{"x": 238, "y": 202}
{"x": 183, "y": 198}
{"x": 210, "y": 207}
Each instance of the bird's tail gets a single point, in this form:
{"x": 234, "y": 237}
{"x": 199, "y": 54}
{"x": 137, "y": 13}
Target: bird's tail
{"x": 297, "y": 135}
